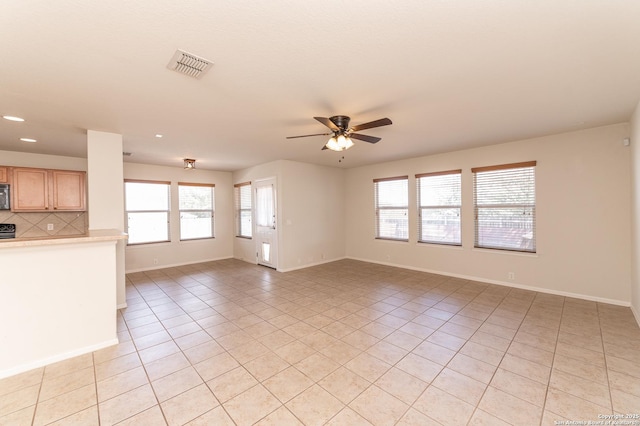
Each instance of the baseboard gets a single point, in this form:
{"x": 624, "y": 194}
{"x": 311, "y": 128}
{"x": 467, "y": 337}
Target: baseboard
{"x": 246, "y": 260}
{"x": 56, "y": 358}
{"x": 173, "y": 265}
{"x": 504, "y": 283}
{"x": 121, "y": 306}
{"x": 636, "y": 314}
{"x": 309, "y": 265}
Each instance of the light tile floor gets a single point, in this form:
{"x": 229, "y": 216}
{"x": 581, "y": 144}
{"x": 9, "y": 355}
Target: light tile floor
{"x": 346, "y": 343}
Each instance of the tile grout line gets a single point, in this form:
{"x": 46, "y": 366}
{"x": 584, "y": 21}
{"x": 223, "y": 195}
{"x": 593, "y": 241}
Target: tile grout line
{"x": 477, "y": 405}
{"x": 145, "y": 370}
{"x": 411, "y": 406}
{"x": 190, "y": 363}
{"x": 553, "y": 360}
{"x": 95, "y": 382}
{"x": 604, "y": 356}
{"x": 35, "y": 408}
{"x": 448, "y": 295}
{"x": 244, "y": 294}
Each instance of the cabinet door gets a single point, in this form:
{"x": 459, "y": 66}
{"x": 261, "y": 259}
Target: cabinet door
{"x": 30, "y": 190}
{"x": 68, "y": 190}
{"x": 4, "y": 175}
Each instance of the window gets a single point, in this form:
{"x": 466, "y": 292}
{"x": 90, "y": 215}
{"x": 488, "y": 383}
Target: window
{"x": 392, "y": 208}
{"x": 147, "y": 206}
{"x": 196, "y": 210}
{"x": 505, "y": 207}
{"x": 243, "y": 209}
{"x": 439, "y": 207}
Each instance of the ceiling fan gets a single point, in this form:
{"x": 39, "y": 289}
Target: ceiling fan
{"x": 342, "y": 133}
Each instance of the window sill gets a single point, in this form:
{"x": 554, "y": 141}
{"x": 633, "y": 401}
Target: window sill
{"x": 148, "y": 244}
{"x": 506, "y": 252}
{"x": 436, "y": 245}
{"x": 243, "y": 237}
{"x": 393, "y": 240}
{"x": 197, "y": 239}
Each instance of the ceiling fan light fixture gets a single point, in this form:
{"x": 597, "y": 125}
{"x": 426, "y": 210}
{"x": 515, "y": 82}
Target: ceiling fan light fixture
{"x": 348, "y": 143}
{"x": 189, "y": 164}
{"x": 339, "y": 143}
{"x": 332, "y": 144}
{"x": 342, "y": 133}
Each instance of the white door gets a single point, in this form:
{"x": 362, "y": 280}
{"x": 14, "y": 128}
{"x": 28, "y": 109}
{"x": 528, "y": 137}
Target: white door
{"x": 266, "y": 232}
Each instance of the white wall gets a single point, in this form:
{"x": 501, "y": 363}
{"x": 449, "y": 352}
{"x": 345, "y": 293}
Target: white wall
{"x": 106, "y": 196}
{"x": 63, "y": 307}
{"x": 583, "y": 216}
{"x": 26, "y": 159}
{"x": 310, "y": 219}
{"x": 176, "y": 252}
{"x": 312, "y": 215}
{"x": 635, "y": 196}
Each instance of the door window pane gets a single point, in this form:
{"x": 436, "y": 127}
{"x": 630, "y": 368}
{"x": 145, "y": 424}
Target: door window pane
{"x": 265, "y": 213}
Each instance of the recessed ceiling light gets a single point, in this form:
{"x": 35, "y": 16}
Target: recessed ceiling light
{"x": 28, "y": 140}
{"x": 12, "y": 118}
{"x": 158, "y": 135}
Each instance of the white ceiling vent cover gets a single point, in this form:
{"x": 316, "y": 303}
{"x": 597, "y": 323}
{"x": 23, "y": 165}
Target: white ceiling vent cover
{"x": 189, "y": 64}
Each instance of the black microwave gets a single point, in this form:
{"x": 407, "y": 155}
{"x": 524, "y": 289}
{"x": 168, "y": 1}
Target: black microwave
{"x": 4, "y": 197}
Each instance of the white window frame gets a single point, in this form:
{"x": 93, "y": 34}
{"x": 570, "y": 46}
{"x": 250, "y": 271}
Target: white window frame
{"x": 516, "y": 182}
{"x": 427, "y": 180}
{"x": 130, "y": 212}
{"x": 389, "y": 205}
{"x": 240, "y": 195}
{"x": 211, "y": 211}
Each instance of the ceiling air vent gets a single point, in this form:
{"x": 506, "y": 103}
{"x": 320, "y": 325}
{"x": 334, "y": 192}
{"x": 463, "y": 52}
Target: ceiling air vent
{"x": 189, "y": 64}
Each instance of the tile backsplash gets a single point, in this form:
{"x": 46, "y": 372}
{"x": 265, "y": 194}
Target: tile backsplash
{"x": 34, "y": 225}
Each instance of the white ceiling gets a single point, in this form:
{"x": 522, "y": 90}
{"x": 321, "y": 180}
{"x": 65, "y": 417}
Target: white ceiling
{"x": 450, "y": 74}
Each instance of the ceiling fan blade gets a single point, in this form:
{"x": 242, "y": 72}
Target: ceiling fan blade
{"x": 372, "y": 124}
{"x": 327, "y": 122}
{"x": 306, "y": 136}
{"x": 370, "y": 139}
{"x": 323, "y": 147}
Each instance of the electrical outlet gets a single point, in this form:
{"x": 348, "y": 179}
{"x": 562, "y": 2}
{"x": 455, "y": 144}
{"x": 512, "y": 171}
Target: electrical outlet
{"x": 511, "y": 276}
{"x": 49, "y": 226}
{"x": 155, "y": 261}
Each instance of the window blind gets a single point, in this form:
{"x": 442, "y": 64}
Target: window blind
{"x": 505, "y": 207}
{"x": 243, "y": 209}
{"x": 392, "y": 208}
{"x": 439, "y": 200}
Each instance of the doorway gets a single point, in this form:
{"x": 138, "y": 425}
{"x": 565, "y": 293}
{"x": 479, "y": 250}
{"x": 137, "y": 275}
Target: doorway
{"x": 266, "y": 220}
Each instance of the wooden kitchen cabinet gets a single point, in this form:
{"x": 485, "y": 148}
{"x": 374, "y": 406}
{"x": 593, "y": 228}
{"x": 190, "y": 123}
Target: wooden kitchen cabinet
{"x": 4, "y": 174}
{"x": 30, "y": 190}
{"x": 48, "y": 190}
{"x": 68, "y": 190}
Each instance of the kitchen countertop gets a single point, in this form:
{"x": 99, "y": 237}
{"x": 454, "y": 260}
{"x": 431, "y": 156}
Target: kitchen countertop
{"x": 91, "y": 236}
